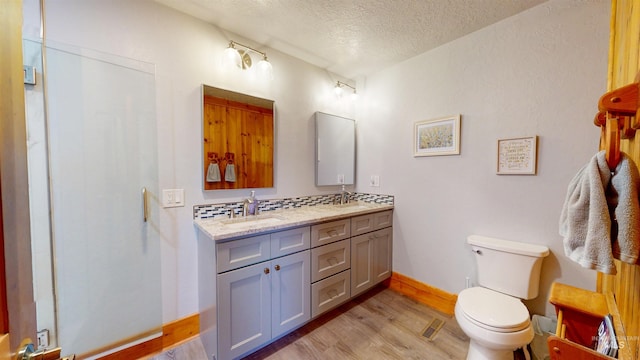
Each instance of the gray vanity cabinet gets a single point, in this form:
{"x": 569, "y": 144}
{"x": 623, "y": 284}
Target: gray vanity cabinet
{"x": 263, "y": 289}
{"x": 269, "y": 284}
{"x": 371, "y": 252}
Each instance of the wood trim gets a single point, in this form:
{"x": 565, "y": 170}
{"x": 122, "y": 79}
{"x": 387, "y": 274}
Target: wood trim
{"x": 180, "y": 330}
{"x": 173, "y": 333}
{"x": 624, "y": 64}
{"x": 428, "y": 295}
{"x": 14, "y": 175}
{"x": 138, "y": 351}
{"x": 5, "y": 350}
{"x": 4, "y": 309}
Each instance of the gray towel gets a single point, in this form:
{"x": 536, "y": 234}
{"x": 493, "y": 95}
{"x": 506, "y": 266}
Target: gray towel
{"x": 213, "y": 172}
{"x": 230, "y": 173}
{"x": 594, "y": 198}
{"x": 622, "y": 199}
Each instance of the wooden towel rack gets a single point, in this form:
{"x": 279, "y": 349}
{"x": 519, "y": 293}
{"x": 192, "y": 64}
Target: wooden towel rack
{"x": 617, "y": 118}
{"x": 579, "y": 314}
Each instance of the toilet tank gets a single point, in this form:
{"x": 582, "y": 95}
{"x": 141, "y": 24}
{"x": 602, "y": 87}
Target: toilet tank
{"x": 509, "y": 267}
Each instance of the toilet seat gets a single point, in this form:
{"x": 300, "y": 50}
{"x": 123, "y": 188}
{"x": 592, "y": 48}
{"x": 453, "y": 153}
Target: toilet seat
{"x": 492, "y": 310}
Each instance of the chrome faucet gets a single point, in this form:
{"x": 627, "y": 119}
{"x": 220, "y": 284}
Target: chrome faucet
{"x": 250, "y": 205}
{"x": 245, "y": 207}
{"x": 345, "y": 196}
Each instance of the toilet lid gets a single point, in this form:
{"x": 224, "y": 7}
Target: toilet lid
{"x": 493, "y": 310}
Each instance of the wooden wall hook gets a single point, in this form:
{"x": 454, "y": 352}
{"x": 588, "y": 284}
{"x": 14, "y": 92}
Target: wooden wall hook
{"x": 622, "y": 101}
{"x": 618, "y": 118}
{"x": 612, "y": 142}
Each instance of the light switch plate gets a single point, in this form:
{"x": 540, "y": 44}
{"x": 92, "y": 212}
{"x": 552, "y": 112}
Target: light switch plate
{"x": 29, "y": 74}
{"x": 374, "y": 181}
{"x": 172, "y": 198}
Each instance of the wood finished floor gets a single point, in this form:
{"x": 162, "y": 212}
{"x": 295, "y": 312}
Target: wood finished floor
{"x": 381, "y": 324}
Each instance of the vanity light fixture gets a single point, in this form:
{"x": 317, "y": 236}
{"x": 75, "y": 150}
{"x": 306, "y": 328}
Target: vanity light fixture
{"x": 242, "y": 59}
{"x": 339, "y": 89}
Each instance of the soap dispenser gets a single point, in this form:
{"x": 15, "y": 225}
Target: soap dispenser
{"x": 253, "y": 203}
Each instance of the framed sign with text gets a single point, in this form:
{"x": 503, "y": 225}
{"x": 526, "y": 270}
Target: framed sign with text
{"x": 517, "y": 156}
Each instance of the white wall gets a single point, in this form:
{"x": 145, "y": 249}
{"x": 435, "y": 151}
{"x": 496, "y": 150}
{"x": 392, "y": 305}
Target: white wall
{"x": 538, "y": 73}
{"x": 187, "y": 53}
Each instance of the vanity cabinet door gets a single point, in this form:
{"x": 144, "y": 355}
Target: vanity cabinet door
{"x": 382, "y": 219}
{"x": 361, "y": 264}
{"x": 238, "y": 253}
{"x": 361, "y": 224}
{"x": 330, "y": 232}
{"x": 370, "y": 222}
{"x": 291, "y": 292}
{"x": 290, "y": 241}
{"x": 371, "y": 256}
{"x": 244, "y": 310}
{"x": 382, "y": 254}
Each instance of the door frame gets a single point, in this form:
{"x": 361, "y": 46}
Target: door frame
{"x": 19, "y": 307}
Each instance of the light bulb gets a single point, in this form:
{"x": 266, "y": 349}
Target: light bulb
{"x": 231, "y": 57}
{"x": 338, "y": 89}
{"x": 265, "y": 69}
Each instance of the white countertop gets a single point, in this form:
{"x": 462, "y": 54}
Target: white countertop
{"x": 224, "y": 228}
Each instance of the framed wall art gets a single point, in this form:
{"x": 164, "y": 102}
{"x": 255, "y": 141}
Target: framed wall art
{"x": 518, "y": 156}
{"x": 437, "y": 136}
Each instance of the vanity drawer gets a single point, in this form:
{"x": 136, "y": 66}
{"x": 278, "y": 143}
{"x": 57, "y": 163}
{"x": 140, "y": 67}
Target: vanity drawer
{"x": 330, "y": 259}
{"x": 330, "y": 292}
{"x": 238, "y": 253}
{"x": 330, "y": 232}
{"x": 371, "y": 222}
{"x": 290, "y": 241}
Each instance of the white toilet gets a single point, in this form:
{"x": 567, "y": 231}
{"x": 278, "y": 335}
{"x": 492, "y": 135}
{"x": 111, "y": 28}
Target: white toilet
{"x": 491, "y": 314}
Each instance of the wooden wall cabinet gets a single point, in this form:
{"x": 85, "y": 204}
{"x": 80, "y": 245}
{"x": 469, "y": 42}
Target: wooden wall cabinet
{"x": 238, "y": 140}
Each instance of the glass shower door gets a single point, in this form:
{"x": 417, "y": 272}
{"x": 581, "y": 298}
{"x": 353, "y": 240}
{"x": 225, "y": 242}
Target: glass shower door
{"x": 102, "y": 154}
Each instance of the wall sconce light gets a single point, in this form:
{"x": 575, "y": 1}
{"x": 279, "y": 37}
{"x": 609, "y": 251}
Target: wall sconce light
{"x": 242, "y": 59}
{"x": 339, "y": 89}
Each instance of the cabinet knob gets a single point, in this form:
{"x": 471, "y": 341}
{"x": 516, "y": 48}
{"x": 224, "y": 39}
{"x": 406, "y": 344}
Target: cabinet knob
{"x": 277, "y": 267}
{"x": 556, "y": 349}
{"x": 266, "y": 270}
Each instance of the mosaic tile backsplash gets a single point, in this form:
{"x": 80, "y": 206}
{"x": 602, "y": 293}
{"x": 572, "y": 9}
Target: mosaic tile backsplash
{"x": 213, "y": 210}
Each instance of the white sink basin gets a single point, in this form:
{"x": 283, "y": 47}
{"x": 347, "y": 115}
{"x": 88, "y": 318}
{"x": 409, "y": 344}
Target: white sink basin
{"x": 352, "y": 205}
{"x": 250, "y": 221}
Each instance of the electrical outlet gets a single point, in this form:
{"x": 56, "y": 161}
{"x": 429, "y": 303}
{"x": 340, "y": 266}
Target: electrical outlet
{"x": 42, "y": 339}
{"x": 374, "y": 181}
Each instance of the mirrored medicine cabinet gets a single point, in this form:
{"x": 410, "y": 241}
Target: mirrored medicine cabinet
{"x": 238, "y": 140}
{"x": 335, "y": 150}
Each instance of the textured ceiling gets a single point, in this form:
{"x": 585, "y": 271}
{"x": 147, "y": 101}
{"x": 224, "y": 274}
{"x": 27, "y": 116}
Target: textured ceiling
{"x": 351, "y": 38}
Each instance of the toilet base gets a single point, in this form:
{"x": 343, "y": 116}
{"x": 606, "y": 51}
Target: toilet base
{"x": 479, "y": 352}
